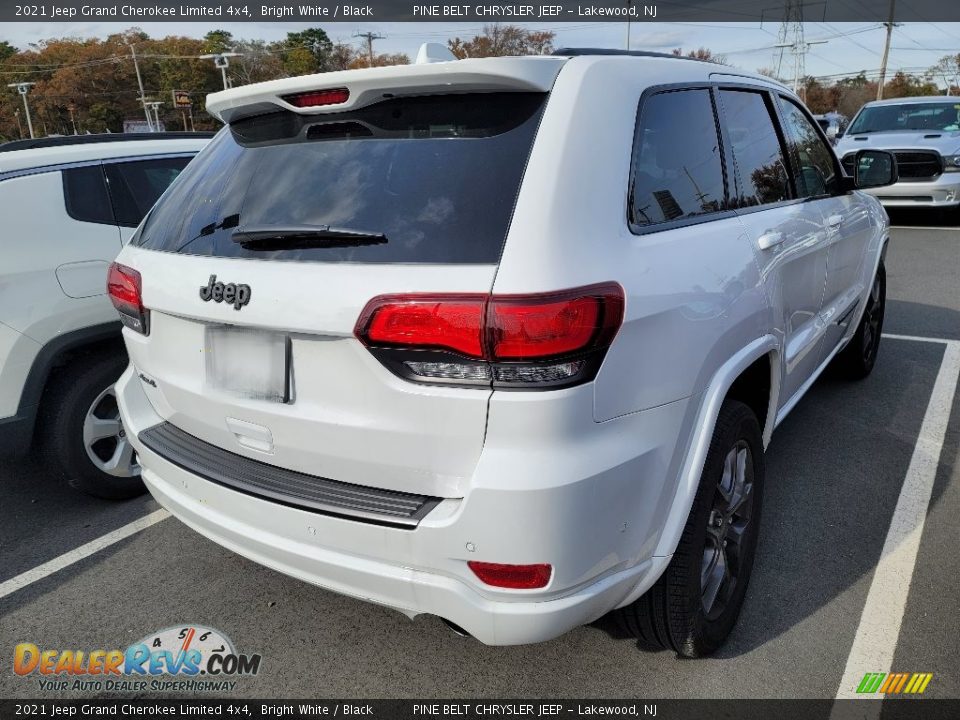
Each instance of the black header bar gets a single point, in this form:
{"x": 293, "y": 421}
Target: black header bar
{"x": 141, "y": 12}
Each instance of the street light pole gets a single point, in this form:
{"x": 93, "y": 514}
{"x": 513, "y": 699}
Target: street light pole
{"x": 23, "y": 88}
{"x": 143, "y": 99}
{"x": 156, "y": 114}
{"x": 222, "y": 61}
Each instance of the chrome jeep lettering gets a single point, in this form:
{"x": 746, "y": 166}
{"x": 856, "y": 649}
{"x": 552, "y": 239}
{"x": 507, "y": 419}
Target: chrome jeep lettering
{"x": 234, "y": 294}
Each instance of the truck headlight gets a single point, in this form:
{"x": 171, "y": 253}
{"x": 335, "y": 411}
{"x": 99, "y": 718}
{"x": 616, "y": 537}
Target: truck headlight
{"x": 951, "y": 163}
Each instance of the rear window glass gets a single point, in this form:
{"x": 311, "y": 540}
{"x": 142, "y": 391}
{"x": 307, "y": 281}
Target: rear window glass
{"x": 678, "y": 172}
{"x": 85, "y": 195}
{"x": 135, "y": 186}
{"x": 430, "y": 179}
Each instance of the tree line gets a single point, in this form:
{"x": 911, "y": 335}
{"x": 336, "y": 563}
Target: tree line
{"x": 90, "y": 84}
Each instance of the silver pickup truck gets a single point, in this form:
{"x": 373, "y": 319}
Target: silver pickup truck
{"x": 924, "y": 134}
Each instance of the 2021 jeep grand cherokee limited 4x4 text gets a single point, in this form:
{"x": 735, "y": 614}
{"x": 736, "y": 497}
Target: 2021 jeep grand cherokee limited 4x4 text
{"x": 498, "y": 340}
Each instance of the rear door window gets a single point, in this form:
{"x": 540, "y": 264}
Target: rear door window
{"x": 135, "y": 186}
{"x": 85, "y": 195}
{"x": 677, "y": 168}
{"x": 430, "y": 179}
{"x": 756, "y": 147}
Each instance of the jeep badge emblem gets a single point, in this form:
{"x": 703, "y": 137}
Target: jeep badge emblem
{"x": 237, "y": 295}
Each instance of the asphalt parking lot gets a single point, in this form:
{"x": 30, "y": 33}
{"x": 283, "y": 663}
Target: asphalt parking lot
{"x": 818, "y": 611}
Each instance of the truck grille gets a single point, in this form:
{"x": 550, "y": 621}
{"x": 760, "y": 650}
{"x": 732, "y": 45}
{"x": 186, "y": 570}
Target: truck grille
{"x": 287, "y": 487}
{"x": 913, "y": 165}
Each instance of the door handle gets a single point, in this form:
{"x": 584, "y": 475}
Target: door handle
{"x": 834, "y": 221}
{"x": 770, "y": 239}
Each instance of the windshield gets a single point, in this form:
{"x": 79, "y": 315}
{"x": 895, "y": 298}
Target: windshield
{"x": 919, "y": 117}
{"x": 429, "y": 179}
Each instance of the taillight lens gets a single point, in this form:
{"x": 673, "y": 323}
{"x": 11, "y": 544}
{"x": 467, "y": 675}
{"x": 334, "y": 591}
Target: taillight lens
{"x": 318, "y": 98}
{"x": 125, "y": 289}
{"x": 447, "y": 322}
{"x": 514, "y": 577}
{"x": 537, "y": 340}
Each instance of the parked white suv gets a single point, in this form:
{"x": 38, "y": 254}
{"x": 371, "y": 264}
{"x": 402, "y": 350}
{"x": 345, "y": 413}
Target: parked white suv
{"x": 499, "y": 340}
{"x": 67, "y": 204}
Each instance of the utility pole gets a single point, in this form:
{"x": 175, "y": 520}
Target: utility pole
{"x": 222, "y": 61}
{"x": 799, "y": 50}
{"x": 629, "y": 3}
{"x": 72, "y": 107}
{"x": 23, "y": 88}
{"x": 369, "y": 37}
{"x": 886, "y": 53}
{"x": 143, "y": 99}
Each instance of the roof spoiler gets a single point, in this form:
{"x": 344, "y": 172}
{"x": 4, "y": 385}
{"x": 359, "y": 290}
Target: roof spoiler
{"x": 369, "y": 85}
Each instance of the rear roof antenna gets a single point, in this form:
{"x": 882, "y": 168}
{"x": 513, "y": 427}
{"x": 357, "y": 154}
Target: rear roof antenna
{"x": 434, "y": 53}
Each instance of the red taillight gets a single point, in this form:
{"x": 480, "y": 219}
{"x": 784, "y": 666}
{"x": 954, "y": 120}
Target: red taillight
{"x": 449, "y": 322}
{"x": 524, "y": 327}
{"x": 317, "y": 98}
{"x": 496, "y": 327}
{"x": 538, "y": 340}
{"x": 515, "y": 577}
{"x": 124, "y": 287}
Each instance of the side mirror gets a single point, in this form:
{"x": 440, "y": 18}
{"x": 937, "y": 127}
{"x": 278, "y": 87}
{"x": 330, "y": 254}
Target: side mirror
{"x": 875, "y": 168}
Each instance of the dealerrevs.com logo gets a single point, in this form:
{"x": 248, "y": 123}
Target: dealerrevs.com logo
{"x": 189, "y": 658}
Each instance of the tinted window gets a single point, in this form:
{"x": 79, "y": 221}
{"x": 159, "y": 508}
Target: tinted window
{"x": 85, "y": 195}
{"x": 815, "y": 172}
{"x": 933, "y": 116}
{"x": 756, "y": 148}
{"x": 135, "y": 186}
{"x": 677, "y": 169}
{"x": 437, "y": 176}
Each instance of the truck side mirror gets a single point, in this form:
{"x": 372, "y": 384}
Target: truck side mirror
{"x": 875, "y": 168}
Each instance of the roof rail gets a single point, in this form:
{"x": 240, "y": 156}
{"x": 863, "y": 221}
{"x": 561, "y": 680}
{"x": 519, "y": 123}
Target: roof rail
{"x": 65, "y": 140}
{"x": 576, "y": 52}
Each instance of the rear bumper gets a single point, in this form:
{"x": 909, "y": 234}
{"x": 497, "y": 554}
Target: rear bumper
{"x": 595, "y": 529}
{"x": 944, "y": 192}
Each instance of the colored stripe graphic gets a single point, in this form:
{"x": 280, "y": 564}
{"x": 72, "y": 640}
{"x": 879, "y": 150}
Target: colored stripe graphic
{"x": 894, "y": 683}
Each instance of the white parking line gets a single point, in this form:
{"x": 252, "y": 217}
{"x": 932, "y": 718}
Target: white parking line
{"x": 876, "y": 639}
{"x": 69, "y": 558}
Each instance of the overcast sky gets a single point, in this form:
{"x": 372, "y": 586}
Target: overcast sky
{"x": 851, "y": 47}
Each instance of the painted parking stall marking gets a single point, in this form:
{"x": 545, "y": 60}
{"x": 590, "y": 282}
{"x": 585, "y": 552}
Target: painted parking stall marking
{"x": 879, "y": 629}
{"x": 21, "y": 581}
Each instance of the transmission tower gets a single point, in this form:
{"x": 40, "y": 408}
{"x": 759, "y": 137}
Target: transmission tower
{"x": 790, "y": 36}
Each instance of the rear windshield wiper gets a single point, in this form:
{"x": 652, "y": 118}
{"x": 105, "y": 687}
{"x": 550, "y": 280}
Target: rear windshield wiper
{"x": 299, "y": 237}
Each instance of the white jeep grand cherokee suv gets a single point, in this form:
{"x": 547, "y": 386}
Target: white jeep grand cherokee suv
{"x": 500, "y": 340}
{"x": 67, "y": 204}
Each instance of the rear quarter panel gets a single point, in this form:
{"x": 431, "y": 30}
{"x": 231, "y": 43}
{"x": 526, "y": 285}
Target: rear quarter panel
{"x": 693, "y": 294}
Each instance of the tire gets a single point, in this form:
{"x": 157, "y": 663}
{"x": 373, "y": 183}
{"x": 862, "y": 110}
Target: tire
{"x": 74, "y": 400}
{"x": 857, "y": 359}
{"x": 694, "y": 605}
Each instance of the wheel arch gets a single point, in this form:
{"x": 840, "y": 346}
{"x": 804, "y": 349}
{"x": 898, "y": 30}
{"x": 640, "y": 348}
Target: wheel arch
{"x": 55, "y": 354}
{"x": 759, "y": 361}
{"x": 756, "y": 362}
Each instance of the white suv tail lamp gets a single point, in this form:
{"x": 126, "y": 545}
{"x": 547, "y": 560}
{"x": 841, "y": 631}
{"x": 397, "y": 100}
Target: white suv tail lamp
{"x": 542, "y": 340}
{"x": 124, "y": 287}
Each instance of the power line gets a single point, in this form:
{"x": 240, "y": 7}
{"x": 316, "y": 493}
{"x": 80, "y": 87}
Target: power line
{"x": 369, "y": 37}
